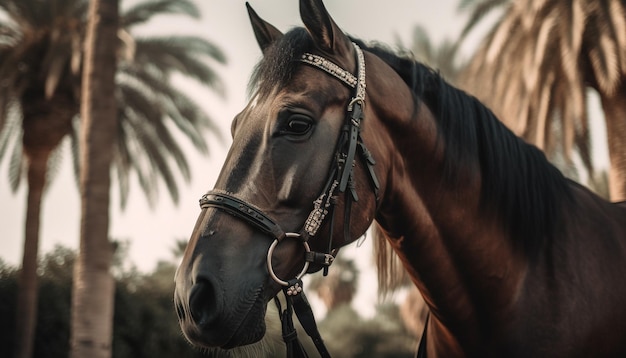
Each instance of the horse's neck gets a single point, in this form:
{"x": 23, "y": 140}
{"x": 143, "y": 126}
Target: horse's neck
{"x": 458, "y": 257}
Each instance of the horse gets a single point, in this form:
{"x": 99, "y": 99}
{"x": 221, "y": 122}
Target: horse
{"x": 512, "y": 258}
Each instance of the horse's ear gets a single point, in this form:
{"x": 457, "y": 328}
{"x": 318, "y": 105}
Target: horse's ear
{"x": 327, "y": 35}
{"x": 264, "y": 32}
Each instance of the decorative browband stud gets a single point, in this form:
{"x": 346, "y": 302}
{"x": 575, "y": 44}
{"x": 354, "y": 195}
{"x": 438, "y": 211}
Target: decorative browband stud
{"x": 329, "y": 67}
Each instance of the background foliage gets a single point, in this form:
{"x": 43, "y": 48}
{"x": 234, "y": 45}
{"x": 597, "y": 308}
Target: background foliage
{"x": 145, "y": 323}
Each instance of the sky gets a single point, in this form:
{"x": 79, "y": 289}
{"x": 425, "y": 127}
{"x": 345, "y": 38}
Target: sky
{"x": 152, "y": 231}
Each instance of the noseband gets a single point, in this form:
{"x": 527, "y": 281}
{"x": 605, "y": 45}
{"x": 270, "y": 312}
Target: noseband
{"x": 340, "y": 178}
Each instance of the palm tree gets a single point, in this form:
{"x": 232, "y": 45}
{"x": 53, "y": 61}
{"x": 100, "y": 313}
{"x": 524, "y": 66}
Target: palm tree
{"x": 29, "y": 72}
{"x": 535, "y": 66}
{"x": 40, "y": 67}
{"x": 443, "y": 57}
{"x": 93, "y": 286}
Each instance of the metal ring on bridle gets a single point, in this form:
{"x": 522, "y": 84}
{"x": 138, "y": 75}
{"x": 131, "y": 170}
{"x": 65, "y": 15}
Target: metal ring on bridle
{"x": 270, "y": 251}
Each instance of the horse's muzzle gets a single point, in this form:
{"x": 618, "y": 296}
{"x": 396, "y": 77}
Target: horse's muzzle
{"x": 208, "y": 319}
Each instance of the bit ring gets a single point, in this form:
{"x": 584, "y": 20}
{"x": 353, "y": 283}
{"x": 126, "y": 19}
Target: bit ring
{"x": 270, "y": 251}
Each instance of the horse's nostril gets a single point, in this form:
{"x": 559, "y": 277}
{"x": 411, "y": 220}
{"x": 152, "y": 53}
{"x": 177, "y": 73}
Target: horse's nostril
{"x": 203, "y": 302}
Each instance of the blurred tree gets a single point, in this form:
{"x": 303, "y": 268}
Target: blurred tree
{"x": 444, "y": 56}
{"x": 40, "y": 66}
{"x": 93, "y": 286}
{"x": 599, "y": 183}
{"x": 348, "y": 335}
{"x": 339, "y": 286}
{"x": 145, "y": 323}
{"x": 179, "y": 248}
{"x": 53, "y": 323}
{"x": 8, "y": 305}
{"x": 53, "y": 320}
{"x": 144, "y": 320}
{"x": 345, "y": 332}
{"x": 413, "y": 312}
{"x": 535, "y": 66}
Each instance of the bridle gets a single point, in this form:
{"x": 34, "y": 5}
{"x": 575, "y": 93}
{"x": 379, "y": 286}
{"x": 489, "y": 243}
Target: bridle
{"x": 340, "y": 179}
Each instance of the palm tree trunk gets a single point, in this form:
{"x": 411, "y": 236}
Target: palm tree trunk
{"x": 26, "y": 311}
{"x": 615, "y": 113}
{"x": 93, "y": 287}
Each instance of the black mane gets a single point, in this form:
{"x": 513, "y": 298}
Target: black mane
{"x": 519, "y": 183}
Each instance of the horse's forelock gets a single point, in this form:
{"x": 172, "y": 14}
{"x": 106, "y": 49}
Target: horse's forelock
{"x": 279, "y": 61}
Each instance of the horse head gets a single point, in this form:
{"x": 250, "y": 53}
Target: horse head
{"x": 297, "y": 160}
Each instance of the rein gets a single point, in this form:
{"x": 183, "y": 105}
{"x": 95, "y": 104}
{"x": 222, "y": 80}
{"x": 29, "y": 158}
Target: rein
{"x": 340, "y": 179}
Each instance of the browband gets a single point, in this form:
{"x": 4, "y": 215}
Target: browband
{"x": 330, "y": 68}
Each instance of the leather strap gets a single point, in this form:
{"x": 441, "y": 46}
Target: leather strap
{"x": 319, "y": 258}
{"x": 304, "y": 313}
{"x": 370, "y": 162}
{"x": 290, "y": 335}
{"x": 243, "y": 210}
{"x": 354, "y": 122}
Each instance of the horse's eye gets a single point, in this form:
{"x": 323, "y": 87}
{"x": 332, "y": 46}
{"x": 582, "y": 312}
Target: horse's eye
{"x": 298, "y": 125}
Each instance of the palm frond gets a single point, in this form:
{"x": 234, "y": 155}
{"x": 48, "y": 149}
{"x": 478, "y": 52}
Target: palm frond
{"x": 150, "y": 121}
{"x": 617, "y": 17}
{"x": 9, "y": 133}
{"x": 75, "y": 149}
{"x": 175, "y": 45}
{"x": 571, "y": 36}
{"x": 605, "y": 56}
{"x": 142, "y": 12}
{"x": 54, "y": 164}
{"x": 41, "y": 50}
{"x": 183, "y": 55}
{"x": 186, "y": 115}
{"x": 9, "y": 35}
{"x": 16, "y": 165}
{"x": 534, "y": 65}
{"x": 4, "y": 108}
{"x": 158, "y": 164}
{"x": 190, "y": 120}
{"x": 122, "y": 164}
{"x": 498, "y": 41}
{"x": 123, "y": 185}
{"x": 542, "y": 110}
{"x": 422, "y": 46}
{"x": 38, "y": 14}
{"x": 544, "y": 40}
{"x": 134, "y": 153}
{"x": 151, "y": 146}
{"x": 603, "y": 59}
{"x": 479, "y": 10}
